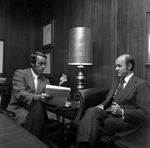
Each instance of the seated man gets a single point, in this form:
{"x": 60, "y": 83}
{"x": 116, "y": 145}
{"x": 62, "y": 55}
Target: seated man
{"x": 28, "y": 96}
{"x": 124, "y": 109}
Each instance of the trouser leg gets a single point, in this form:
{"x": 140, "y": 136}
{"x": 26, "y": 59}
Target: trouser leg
{"x": 36, "y": 121}
{"x": 89, "y": 128}
{"x": 108, "y": 132}
{"x": 111, "y": 127}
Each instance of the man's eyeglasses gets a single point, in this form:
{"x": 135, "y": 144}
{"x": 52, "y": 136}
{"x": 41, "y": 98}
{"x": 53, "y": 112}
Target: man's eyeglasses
{"x": 41, "y": 64}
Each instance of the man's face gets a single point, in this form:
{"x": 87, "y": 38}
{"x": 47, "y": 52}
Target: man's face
{"x": 121, "y": 68}
{"x": 39, "y": 66}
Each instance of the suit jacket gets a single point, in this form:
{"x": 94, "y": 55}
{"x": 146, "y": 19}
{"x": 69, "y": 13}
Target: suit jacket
{"x": 134, "y": 100}
{"x": 23, "y": 93}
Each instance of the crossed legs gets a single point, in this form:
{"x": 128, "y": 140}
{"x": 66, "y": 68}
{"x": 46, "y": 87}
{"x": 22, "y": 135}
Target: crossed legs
{"x": 36, "y": 121}
{"x": 89, "y": 128}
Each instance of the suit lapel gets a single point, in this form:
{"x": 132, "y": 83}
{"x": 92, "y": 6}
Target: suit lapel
{"x": 111, "y": 92}
{"x": 30, "y": 79}
{"x": 41, "y": 85}
{"x": 41, "y": 82}
{"x": 128, "y": 89}
{"x": 113, "y": 88}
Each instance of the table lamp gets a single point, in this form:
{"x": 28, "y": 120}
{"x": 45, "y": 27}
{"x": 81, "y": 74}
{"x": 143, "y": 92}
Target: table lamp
{"x": 80, "y": 51}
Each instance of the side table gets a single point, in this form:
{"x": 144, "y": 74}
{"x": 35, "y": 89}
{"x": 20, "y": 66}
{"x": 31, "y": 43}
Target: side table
{"x": 62, "y": 118}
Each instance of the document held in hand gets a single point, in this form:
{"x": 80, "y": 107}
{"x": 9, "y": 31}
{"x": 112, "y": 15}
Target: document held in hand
{"x": 59, "y": 93}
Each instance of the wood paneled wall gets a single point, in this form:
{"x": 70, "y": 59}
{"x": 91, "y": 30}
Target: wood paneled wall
{"x": 98, "y": 15}
{"x": 118, "y": 26}
{"x": 20, "y": 26}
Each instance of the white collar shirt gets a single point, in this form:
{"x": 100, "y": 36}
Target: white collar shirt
{"x": 35, "y": 78}
{"x": 127, "y": 79}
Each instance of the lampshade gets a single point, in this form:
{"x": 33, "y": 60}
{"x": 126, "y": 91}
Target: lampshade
{"x": 80, "y": 51}
{"x": 80, "y": 46}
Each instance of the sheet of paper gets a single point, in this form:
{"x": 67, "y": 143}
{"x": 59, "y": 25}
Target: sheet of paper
{"x": 60, "y": 94}
{"x": 57, "y": 91}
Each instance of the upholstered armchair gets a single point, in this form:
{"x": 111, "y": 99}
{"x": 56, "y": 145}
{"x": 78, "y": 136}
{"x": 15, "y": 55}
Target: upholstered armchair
{"x": 52, "y": 127}
{"x": 87, "y": 98}
{"x": 94, "y": 96}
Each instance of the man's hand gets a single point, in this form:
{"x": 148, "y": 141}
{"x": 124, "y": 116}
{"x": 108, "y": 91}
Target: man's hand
{"x": 43, "y": 97}
{"x": 116, "y": 109}
{"x": 62, "y": 79}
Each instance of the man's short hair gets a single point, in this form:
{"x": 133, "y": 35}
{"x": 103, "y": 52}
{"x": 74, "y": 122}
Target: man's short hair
{"x": 34, "y": 55}
{"x": 130, "y": 60}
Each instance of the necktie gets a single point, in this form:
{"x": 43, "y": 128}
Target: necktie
{"x": 119, "y": 90}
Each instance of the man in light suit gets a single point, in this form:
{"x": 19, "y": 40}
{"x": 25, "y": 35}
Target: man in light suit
{"x": 117, "y": 116}
{"x": 28, "y": 97}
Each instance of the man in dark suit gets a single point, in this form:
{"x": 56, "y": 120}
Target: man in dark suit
{"x": 125, "y": 108}
{"x": 28, "y": 96}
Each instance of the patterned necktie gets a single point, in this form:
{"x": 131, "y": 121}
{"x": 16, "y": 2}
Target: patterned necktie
{"x": 119, "y": 90}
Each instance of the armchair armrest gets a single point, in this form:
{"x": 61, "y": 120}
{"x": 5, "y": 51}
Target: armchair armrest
{"x": 7, "y": 112}
{"x": 88, "y": 98}
{"x": 4, "y": 100}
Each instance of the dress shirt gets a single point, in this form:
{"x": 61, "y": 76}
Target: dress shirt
{"x": 35, "y": 78}
{"x": 127, "y": 79}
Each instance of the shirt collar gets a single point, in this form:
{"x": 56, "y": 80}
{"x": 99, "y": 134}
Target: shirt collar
{"x": 128, "y": 77}
{"x": 33, "y": 74}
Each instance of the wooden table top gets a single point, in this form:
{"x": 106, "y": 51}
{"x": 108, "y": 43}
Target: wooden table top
{"x": 13, "y": 135}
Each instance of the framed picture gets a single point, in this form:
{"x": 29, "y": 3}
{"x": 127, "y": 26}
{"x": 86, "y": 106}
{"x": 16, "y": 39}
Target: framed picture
{"x": 48, "y": 35}
{"x": 48, "y": 71}
{"x": 147, "y": 52}
{"x": 2, "y": 43}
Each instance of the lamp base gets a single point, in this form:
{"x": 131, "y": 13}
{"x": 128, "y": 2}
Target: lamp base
{"x": 80, "y": 78}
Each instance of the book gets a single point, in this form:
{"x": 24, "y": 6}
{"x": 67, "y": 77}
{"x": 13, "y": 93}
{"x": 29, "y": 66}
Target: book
{"x": 59, "y": 93}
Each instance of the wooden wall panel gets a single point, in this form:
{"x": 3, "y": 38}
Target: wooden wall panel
{"x": 108, "y": 44}
{"x": 61, "y": 40}
{"x": 147, "y": 67}
{"x": 122, "y": 27}
{"x": 118, "y": 26}
{"x": 136, "y": 34}
{"x": 20, "y": 26}
{"x": 100, "y": 16}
